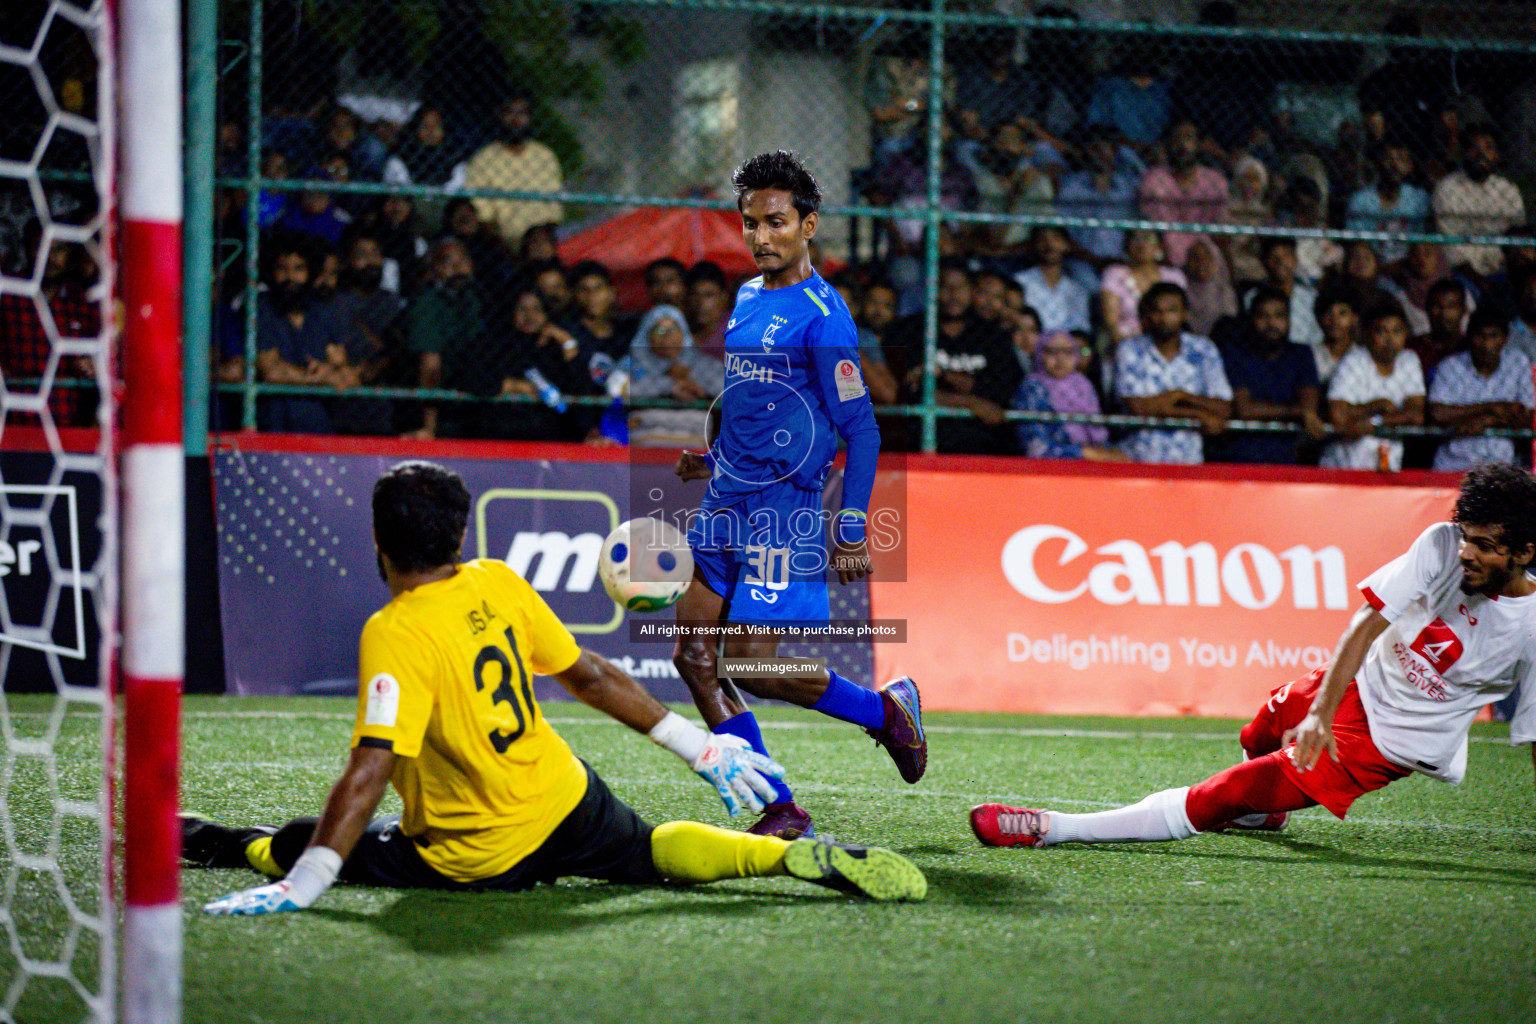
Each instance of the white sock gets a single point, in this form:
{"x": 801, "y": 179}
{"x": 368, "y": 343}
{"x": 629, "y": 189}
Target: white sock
{"x": 1158, "y": 818}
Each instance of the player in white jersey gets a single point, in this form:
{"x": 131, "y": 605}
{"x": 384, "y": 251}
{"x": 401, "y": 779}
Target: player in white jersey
{"x": 1447, "y": 628}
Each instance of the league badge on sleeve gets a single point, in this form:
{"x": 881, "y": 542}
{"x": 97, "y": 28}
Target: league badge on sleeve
{"x": 383, "y": 701}
{"x": 850, "y": 382}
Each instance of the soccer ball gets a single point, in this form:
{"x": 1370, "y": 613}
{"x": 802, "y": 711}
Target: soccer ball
{"x": 646, "y": 565}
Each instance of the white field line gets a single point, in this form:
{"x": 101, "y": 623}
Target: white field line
{"x": 968, "y": 730}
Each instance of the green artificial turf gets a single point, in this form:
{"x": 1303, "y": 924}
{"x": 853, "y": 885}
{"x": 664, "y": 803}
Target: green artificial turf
{"x": 1421, "y": 907}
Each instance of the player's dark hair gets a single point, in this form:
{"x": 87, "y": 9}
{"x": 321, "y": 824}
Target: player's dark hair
{"x": 782, "y": 171}
{"x": 706, "y": 270}
{"x": 1386, "y": 309}
{"x": 1267, "y": 293}
{"x": 1445, "y": 286}
{"x": 1483, "y": 318}
{"x": 1160, "y": 290}
{"x": 589, "y": 268}
{"x": 419, "y": 513}
{"x": 1498, "y": 494}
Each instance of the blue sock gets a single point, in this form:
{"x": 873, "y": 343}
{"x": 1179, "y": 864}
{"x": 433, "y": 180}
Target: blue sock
{"x": 851, "y": 702}
{"x": 745, "y": 726}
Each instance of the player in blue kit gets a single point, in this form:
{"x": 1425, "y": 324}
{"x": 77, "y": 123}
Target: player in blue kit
{"x": 792, "y": 387}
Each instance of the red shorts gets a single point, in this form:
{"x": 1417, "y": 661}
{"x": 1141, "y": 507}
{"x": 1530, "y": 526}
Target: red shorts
{"x": 1360, "y": 768}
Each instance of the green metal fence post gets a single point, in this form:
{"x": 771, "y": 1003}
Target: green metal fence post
{"x": 932, "y": 209}
{"x": 197, "y": 222}
{"x": 252, "y": 215}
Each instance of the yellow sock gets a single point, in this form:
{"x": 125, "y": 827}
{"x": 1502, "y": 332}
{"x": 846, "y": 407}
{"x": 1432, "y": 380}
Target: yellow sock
{"x": 688, "y": 851}
{"x": 259, "y": 853}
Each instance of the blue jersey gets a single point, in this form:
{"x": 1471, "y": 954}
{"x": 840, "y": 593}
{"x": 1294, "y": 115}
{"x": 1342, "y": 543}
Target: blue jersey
{"x": 792, "y": 385}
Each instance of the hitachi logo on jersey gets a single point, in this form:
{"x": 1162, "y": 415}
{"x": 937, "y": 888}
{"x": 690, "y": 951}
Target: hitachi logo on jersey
{"x": 739, "y": 366}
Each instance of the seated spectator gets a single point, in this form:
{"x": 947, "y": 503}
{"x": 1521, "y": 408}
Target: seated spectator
{"x": 494, "y": 264}
{"x": 1486, "y": 387}
{"x": 1010, "y": 178}
{"x": 1339, "y": 320}
{"x": 989, "y": 298}
{"x": 1061, "y": 302}
{"x": 445, "y": 330}
{"x": 595, "y": 327}
{"x": 1278, "y": 253}
{"x": 666, "y": 282}
{"x": 1023, "y": 326}
{"x": 1134, "y": 101}
{"x": 1273, "y": 379}
{"x": 896, "y": 94}
{"x": 1184, "y": 191}
{"x": 1477, "y": 201}
{"x": 1304, "y": 205}
{"x": 274, "y": 167}
{"x": 1391, "y": 204}
{"x": 394, "y": 224}
{"x": 345, "y": 136}
{"x": 517, "y": 162}
{"x": 1250, "y": 208}
{"x": 512, "y": 366}
{"x": 709, "y": 306}
{"x": 554, "y": 287}
{"x": 26, "y": 347}
{"x": 1105, "y": 189}
{"x": 991, "y": 90}
{"x": 902, "y": 183}
{"x": 1169, "y": 372}
{"x": 1361, "y": 276}
{"x": 1125, "y": 283}
{"x": 1209, "y": 287}
{"x": 363, "y": 313}
{"x": 316, "y": 213}
{"x": 1377, "y": 384}
{"x": 1424, "y": 264}
{"x": 975, "y": 365}
{"x": 540, "y": 243}
{"x": 292, "y": 344}
{"x": 1057, "y": 384}
{"x": 1447, "y": 310}
{"x": 425, "y": 155}
{"x": 662, "y": 362}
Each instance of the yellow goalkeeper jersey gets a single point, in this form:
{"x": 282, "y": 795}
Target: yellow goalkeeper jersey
{"x": 446, "y": 682}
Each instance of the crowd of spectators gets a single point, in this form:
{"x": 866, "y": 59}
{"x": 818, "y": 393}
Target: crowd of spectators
{"x": 1330, "y": 341}
{"x": 387, "y": 290}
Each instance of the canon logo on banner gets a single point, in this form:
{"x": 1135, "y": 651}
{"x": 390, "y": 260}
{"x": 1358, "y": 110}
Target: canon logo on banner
{"x": 1250, "y": 575}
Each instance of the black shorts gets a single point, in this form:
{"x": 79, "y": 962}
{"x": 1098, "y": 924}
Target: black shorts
{"x": 601, "y": 838}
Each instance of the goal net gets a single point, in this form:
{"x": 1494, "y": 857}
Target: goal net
{"x": 57, "y": 513}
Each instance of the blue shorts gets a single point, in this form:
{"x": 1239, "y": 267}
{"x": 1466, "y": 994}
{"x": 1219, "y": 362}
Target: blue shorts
{"x": 766, "y": 555}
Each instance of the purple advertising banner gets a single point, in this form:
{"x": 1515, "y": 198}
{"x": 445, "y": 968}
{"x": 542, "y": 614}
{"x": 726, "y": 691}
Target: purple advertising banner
{"x": 297, "y": 575}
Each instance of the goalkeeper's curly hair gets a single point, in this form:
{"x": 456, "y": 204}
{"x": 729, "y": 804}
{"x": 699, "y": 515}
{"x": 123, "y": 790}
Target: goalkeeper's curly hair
{"x": 1503, "y": 496}
{"x": 780, "y": 170}
{"x": 419, "y": 513}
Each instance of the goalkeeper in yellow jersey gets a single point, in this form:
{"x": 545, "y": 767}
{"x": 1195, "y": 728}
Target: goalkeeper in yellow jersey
{"x": 493, "y": 797}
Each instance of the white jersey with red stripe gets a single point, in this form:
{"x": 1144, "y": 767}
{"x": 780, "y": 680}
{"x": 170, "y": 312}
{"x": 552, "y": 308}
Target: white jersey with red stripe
{"x": 1444, "y": 656}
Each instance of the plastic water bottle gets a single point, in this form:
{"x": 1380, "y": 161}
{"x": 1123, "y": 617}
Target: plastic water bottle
{"x": 548, "y": 393}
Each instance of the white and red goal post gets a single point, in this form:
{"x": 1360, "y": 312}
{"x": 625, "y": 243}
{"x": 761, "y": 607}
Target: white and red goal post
{"x": 153, "y": 592}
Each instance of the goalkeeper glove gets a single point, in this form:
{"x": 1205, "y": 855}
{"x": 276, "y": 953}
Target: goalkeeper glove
{"x": 738, "y": 773}
{"x": 312, "y": 874}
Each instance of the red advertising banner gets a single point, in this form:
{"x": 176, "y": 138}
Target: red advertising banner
{"x": 1089, "y": 593}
